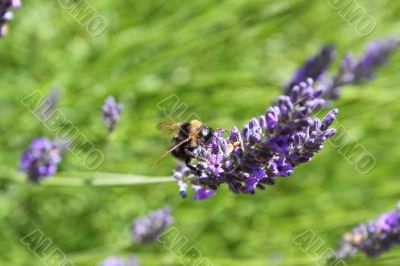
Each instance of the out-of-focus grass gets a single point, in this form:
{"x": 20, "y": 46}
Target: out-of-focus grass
{"x": 227, "y": 61}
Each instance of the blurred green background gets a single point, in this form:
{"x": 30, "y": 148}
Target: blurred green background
{"x": 227, "y": 60}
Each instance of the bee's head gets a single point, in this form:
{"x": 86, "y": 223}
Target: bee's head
{"x": 205, "y": 135}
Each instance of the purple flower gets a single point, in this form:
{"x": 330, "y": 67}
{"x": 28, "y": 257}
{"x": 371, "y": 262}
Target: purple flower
{"x": 180, "y": 174}
{"x": 215, "y": 163}
{"x": 203, "y": 194}
{"x": 372, "y": 238}
{"x": 6, "y": 14}
{"x": 266, "y": 148}
{"x": 112, "y": 261}
{"x": 132, "y": 261}
{"x": 116, "y": 261}
{"x": 376, "y": 55}
{"x": 49, "y": 104}
{"x": 147, "y": 229}
{"x": 111, "y": 113}
{"x": 253, "y": 180}
{"x": 313, "y": 68}
{"x": 281, "y": 167}
{"x": 388, "y": 221}
{"x": 40, "y": 160}
{"x": 362, "y": 71}
{"x": 351, "y": 71}
{"x": 280, "y": 143}
{"x": 272, "y": 117}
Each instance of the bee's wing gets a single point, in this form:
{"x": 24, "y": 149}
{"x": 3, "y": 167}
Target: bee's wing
{"x": 168, "y": 127}
{"x": 170, "y": 150}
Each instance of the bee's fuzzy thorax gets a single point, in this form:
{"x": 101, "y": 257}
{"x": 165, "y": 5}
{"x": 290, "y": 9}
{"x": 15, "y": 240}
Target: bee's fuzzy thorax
{"x": 196, "y": 124}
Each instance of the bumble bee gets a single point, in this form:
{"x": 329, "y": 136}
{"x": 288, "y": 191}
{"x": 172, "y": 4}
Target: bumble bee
{"x": 188, "y": 136}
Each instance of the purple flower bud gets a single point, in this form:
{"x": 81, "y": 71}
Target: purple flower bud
{"x": 111, "y": 113}
{"x": 215, "y": 164}
{"x": 329, "y": 118}
{"x": 182, "y": 188}
{"x": 263, "y": 122}
{"x": 180, "y": 174}
{"x": 313, "y": 68}
{"x": 299, "y": 139}
{"x": 245, "y": 132}
{"x": 283, "y": 168}
{"x": 254, "y": 179}
{"x": 254, "y": 125}
{"x": 147, "y": 229}
{"x": 235, "y": 135}
{"x": 203, "y": 194}
{"x": 272, "y": 117}
{"x": 387, "y": 222}
{"x": 330, "y": 132}
{"x": 40, "y": 160}
{"x": 285, "y": 107}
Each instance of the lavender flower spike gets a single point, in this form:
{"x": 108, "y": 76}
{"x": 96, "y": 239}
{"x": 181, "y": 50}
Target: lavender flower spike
{"x": 372, "y": 238}
{"x": 115, "y": 261}
{"x": 361, "y": 71}
{"x": 6, "y": 14}
{"x": 148, "y": 228}
{"x": 40, "y": 160}
{"x": 313, "y": 68}
{"x": 264, "y": 150}
{"x": 111, "y": 113}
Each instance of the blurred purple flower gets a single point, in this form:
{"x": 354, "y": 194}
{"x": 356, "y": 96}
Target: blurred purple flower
{"x": 112, "y": 261}
{"x": 313, "y": 68}
{"x": 111, "y": 112}
{"x": 6, "y": 13}
{"x": 49, "y": 104}
{"x": 372, "y": 238}
{"x": 148, "y": 228}
{"x": 353, "y": 72}
{"x": 266, "y": 148}
{"x": 132, "y": 261}
{"x": 116, "y": 261}
{"x": 40, "y": 160}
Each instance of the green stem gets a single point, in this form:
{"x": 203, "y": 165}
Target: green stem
{"x": 127, "y": 180}
{"x": 90, "y": 179}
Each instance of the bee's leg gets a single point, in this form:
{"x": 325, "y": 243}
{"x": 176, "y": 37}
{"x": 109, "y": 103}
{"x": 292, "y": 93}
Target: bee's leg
{"x": 195, "y": 156}
{"x": 192, "y": 168}
{"x": 188, "y": 160}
